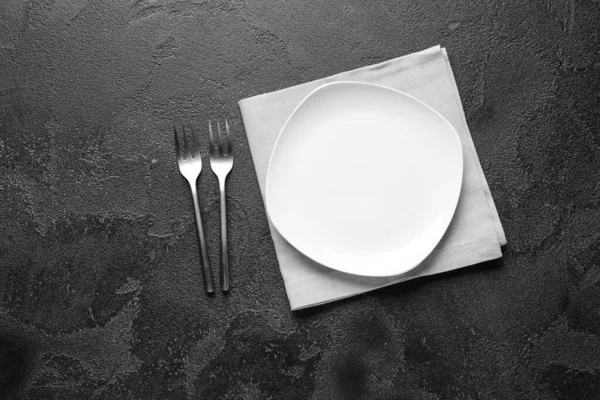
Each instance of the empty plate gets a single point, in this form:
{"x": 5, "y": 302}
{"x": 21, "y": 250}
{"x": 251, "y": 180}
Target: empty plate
{"x": 364, "y": 179}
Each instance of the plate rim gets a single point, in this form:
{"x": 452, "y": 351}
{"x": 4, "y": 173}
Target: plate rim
{"x": 401, "y": 270}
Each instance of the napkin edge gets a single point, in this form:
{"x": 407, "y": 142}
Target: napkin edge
{"x": 382, "y": 63}
{"x": 486, "y": 250}
{"x": 483, "y": 180}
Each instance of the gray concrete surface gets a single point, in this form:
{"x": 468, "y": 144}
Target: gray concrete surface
{"x": 100, "y": 293}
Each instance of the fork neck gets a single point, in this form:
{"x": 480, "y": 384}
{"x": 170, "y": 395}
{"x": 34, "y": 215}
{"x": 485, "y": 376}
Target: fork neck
{"x": 193, "y": 187}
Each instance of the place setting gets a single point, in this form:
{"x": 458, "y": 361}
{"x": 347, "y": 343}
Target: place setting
{"x": 369, "y": 178}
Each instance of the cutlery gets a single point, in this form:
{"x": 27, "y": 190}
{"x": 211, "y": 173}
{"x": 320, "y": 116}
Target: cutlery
{"x": 221, "y": 162}
{"x": 190, "y": 166}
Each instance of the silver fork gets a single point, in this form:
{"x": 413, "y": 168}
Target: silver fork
{"x": 190, "y": 166}
{"x": 221, "y": 162}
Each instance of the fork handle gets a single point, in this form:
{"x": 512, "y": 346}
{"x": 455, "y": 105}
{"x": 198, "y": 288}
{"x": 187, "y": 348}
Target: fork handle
{"x": 224, "y": 254}
{"x": 208, "y": 284}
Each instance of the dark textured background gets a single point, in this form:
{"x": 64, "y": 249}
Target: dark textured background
{"x": 100, "y": 291}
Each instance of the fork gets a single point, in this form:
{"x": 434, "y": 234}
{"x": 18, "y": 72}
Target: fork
{"x": 190, "y": 166}
{"x": 221, "y": 162}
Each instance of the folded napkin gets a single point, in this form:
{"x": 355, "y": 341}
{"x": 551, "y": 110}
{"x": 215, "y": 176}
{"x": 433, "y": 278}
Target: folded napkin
{"x": 475, "y": 233}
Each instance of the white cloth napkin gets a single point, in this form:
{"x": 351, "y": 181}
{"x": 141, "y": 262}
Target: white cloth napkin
{"x": 475, "y": 233}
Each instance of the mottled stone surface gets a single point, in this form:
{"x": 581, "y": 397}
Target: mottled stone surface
{"x": 100, "y": 291}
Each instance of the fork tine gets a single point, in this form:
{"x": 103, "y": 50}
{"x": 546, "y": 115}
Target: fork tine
{"x": 186, "y": 146}
{"x": 221, "y": 149}
{"x": 177, "y": 149}
{"x": 196, "y": 150}
{"x": 228, "y": 142}
{"x": 212, "y": 144}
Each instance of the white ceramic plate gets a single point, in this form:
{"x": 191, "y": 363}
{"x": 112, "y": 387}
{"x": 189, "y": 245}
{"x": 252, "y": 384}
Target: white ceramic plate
{"x": 364, "y": 179}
